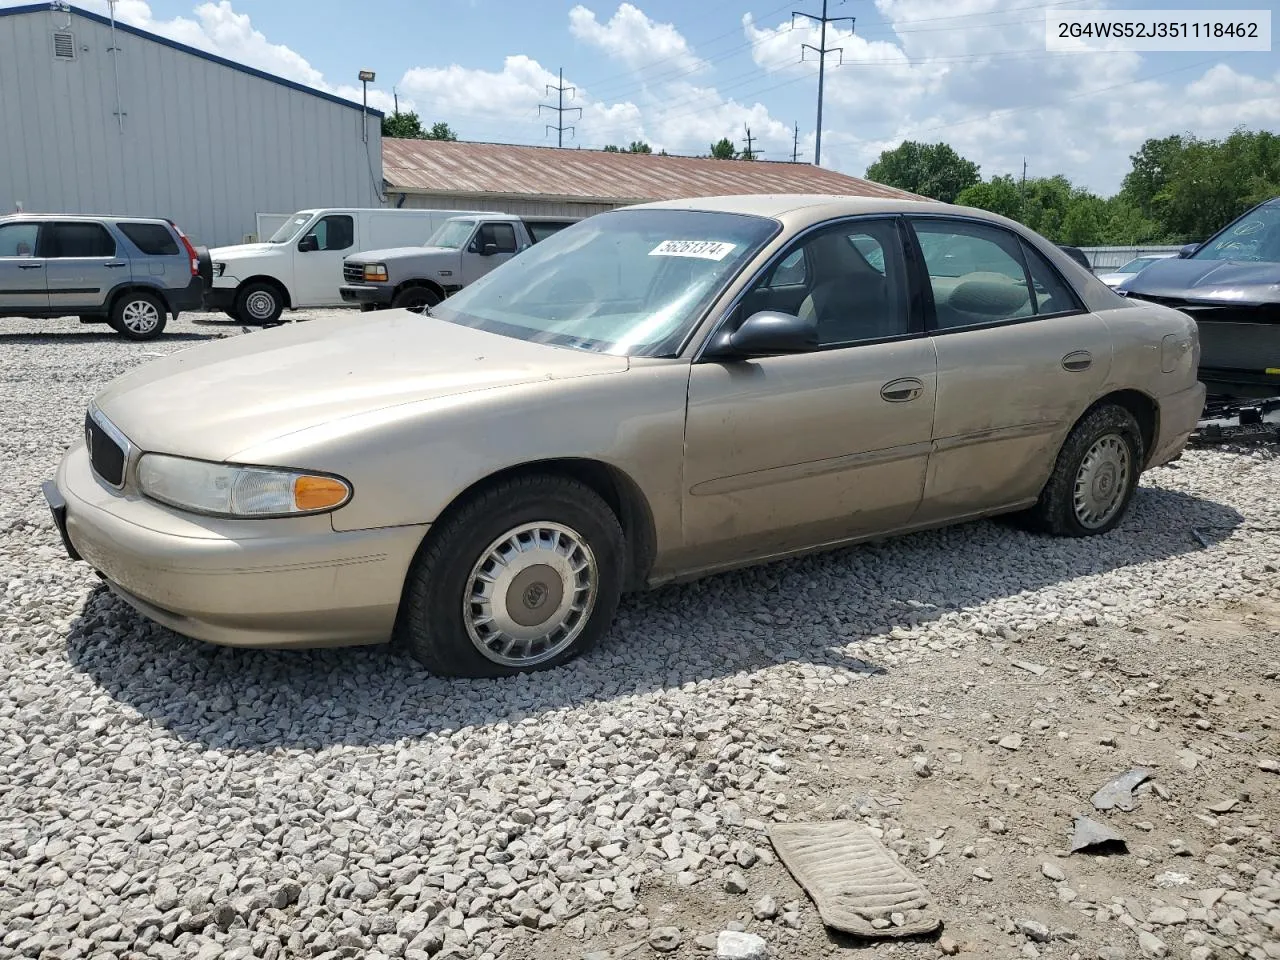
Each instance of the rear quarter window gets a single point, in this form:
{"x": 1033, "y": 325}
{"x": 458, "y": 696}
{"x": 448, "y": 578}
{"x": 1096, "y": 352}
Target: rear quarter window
{"x": 153, "y": 239}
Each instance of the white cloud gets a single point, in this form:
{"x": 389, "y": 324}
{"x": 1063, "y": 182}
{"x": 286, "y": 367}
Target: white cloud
{"x": 218, "y": 28}
{"x": 635, "y": 40}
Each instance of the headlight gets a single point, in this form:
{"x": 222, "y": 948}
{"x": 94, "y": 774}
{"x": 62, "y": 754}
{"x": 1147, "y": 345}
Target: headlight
{"x": 375, "y": 271}
{"x": 225, "y": 490}
{"x": 219, "y": 269}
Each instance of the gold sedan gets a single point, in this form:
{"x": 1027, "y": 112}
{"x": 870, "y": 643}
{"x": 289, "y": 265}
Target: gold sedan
{"x": 654, "y": 393}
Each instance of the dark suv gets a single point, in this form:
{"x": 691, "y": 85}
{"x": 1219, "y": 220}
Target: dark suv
{"x": 129, "y": 272}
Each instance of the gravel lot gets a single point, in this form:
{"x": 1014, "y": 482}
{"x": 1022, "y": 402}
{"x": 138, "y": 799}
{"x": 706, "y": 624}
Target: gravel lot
{"x": 964, "y": 692}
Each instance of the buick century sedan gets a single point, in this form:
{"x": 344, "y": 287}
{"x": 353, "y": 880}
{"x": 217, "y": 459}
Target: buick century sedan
{"x": 654, "y": 393}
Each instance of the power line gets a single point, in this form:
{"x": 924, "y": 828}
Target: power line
{"x": 560, "y": 110}
{"x": 822, "y": 50}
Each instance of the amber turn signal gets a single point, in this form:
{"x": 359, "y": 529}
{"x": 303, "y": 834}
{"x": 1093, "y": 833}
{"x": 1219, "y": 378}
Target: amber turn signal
{"x": 319, "y": 493}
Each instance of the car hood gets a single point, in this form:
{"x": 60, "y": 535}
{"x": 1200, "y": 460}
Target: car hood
{"x": 216, "y": 399}
{"x": 244, "y": 251}
{"x": 369, "y": 256}
{"x": 1223, "y": 281}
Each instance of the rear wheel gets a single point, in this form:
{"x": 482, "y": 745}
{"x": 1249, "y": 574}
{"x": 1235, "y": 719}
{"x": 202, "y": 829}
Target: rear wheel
{"x": 259, "y": 303}
{"x": 417, "y": 299}
{"x": 138, "y": 315}
{"x": 1095, "y": 476}
{"x": 523, "y": 576}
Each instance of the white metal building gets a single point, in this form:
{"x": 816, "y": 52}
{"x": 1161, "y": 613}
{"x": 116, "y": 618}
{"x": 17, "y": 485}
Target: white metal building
{"x": 144, "y": 126}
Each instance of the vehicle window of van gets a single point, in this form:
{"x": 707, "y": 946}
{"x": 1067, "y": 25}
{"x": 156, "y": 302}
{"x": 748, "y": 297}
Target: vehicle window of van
{"x": 153, "y": 239}
{"x": 289, "y": 229}
{"x": 18, "y": 239}
{"x": 334, "y": 232}
{"x": 66, "y": 240}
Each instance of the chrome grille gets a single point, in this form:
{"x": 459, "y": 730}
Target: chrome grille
{"x": 353, "y": 272}
{"x": 106, "y": 455}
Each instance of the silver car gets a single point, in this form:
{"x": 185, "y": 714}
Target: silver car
{"x": 654, "y": 393}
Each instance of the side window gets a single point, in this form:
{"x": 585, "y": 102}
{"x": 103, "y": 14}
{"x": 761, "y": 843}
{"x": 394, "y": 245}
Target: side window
{"x": 857, "y": 287}
{"x": 153, "y": 239}
{"x": 18, "y": 239}
{"x": 790, "y": 272}
{"x": 66, "y": 240}
{"x": 975, "y": 272}
{"x": 337, "y": 231}
{"x": 501, "y": 234}
{"x": 1052, "y": 293}
{"x": 539, "y": 230}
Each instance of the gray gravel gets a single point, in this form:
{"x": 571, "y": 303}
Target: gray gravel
{"x": 164, "y": 798}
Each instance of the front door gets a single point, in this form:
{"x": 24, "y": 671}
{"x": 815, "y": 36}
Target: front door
{"x": 317, "y": 271}
{"x": 494, "y": 243}
{"x": 1019, "y": 360}
{"x": 22, "y": 283}
{"x": 787, "y": 452}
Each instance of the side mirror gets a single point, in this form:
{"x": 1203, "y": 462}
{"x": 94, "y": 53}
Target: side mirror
{"x": 765, "y": 334}
{"x": 308, "y": 243}
{"x": 1188, "y": 250}
{"x": 488, "y": 250}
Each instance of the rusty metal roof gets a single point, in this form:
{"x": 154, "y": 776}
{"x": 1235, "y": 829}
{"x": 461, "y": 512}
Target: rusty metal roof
{"x": 508, "y": 171}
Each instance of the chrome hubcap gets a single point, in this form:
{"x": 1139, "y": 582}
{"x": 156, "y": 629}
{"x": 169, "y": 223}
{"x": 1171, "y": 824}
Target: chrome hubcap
{"x": 140, "y": 316}
{"x": 260, "y": 304}
{"x": 1102, "y": 481}
{"x": 530, "y": 594}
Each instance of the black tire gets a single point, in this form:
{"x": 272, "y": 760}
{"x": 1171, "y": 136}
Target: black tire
{"x": 138, "y": 315}
{"x": 258, "y": 303}
{"x": 416, "y": 299}
{"x": 432, "y": 624}
{"x": 1057, "y": 512}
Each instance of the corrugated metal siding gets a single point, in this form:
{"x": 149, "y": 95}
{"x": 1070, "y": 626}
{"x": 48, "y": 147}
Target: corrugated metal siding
{"x": 520, "y": 208}
{"x": 204, "y": 144}
{"x": 1103, "y": 258}
{"x": 502, "y": 170}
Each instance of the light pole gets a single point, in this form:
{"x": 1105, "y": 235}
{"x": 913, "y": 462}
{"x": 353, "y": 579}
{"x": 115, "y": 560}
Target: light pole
{"x": 366, "y": 78}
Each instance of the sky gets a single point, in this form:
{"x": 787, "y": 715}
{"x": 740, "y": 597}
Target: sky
{"x": 680, "y": 74}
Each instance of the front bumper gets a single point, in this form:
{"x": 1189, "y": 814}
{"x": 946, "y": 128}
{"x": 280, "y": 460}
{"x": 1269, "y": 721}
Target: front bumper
{"x": 266, "y": 583}
{"x": 1179, "y": 414}
{"x": 358, "y": 293}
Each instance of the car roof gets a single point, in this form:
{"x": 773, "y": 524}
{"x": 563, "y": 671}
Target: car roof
{"x": 85, "y": 217}
{"x": 802, "y": 209}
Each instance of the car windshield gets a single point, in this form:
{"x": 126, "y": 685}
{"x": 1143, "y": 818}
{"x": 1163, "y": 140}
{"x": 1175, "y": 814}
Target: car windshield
{"x": 452, "y": 234}
{"x": 1254, "y": 237}
{"x": 291, "y": 227}
{"x": 629, "y": 282}
{"x": 1133, "y": 266}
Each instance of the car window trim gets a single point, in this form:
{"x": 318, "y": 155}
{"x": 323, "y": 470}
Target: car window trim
{"x": 931, "y": 320}
{"x": 915, "y": 327}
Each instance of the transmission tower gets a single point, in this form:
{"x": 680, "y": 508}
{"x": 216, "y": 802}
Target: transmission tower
{"x": 560, "y": 109}
{"x": 822, "y": 50}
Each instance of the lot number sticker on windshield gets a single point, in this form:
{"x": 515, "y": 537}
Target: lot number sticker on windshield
{"x": 702, "y": 249}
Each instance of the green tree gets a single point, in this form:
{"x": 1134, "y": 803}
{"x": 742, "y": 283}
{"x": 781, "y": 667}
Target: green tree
{"x": 612, "y": 148}
{"x": 723, "y": 149}
{"x": 1000, "y": 195}
{"x": 1153, "y": 166}
{"x": 408, "y": 126}
{"x": 639, "y": 146}
{"x": 929, "y": 169}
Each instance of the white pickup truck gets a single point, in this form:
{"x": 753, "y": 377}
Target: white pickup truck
{"x": 464, "y": 249}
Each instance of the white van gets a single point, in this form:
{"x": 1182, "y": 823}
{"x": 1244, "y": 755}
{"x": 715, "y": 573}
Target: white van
{"x": 301, "y": 264}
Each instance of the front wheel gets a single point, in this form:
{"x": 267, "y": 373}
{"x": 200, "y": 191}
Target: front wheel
{"x": 258, "y": 304}
{"x": 1095, "y": 476}
{"x": 417, "y": 299}
{"x": 138, "y": 316}
{"x": 523, "y": 576}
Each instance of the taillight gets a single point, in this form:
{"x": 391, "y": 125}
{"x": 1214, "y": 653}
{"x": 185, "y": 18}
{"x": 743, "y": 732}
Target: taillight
{"x": 191, "y": 251}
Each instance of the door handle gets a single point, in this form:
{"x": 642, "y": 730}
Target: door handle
{"x": 116, "y": 263}
{"x": 1077, "y": 361}
{"x": 30, "y": 266}
{"x": 902, "y": 390}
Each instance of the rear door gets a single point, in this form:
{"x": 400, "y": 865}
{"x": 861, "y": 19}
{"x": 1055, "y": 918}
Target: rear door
{"x": 156, "y": 256}
{"x": 82, "y": 265}
{"x": 22, "y": 273}
{"x": 1019, "y": 360}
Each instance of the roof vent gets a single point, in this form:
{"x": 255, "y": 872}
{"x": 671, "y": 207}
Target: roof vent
{"x": 64, "y": 45}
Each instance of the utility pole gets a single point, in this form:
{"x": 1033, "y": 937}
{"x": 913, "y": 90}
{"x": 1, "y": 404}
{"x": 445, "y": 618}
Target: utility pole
{"x": 560, "y": 109}
{"x": 822, "y": 50}
{"x": 1022, "y": 193}
{"x": 396, "y": 97}
{"x": 748, "y": 154}
{"x": 795, "y": 143}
